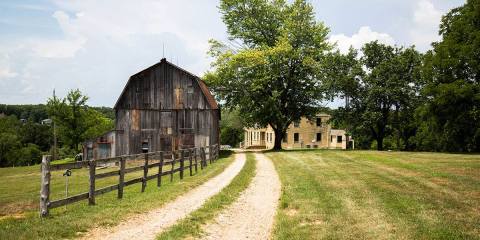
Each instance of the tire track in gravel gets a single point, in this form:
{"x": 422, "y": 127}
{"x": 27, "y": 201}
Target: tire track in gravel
{"x": 252, "y": 215}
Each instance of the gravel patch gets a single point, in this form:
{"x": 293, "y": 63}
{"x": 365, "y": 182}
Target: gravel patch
{"x": 252, "y": 215}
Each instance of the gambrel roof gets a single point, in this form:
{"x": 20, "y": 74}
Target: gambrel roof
{"x": 201, "y": 84}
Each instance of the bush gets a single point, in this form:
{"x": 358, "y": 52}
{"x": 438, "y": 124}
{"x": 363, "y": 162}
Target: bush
{"x": 66, "y": 152}
{"x": 29, "y": 155}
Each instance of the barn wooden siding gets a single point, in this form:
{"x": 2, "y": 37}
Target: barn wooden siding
{"x": 165, "y": 108}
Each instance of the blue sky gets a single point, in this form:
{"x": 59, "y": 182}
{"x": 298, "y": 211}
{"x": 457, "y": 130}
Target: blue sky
{"x": 96, "y": 45}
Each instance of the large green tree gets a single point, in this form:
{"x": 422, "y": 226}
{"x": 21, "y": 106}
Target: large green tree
{"x": 271, "y": 69}
{"x": 450, "y": 119}
{"x": 392, "y": 82}
{"x": 343, "y": 74}
{"x": 380, "y": 89}
{"x": 75, "y": 121}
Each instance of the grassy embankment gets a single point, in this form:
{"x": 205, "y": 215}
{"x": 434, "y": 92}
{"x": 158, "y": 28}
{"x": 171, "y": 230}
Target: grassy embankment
{"x": 191, "y": 226}
{"x": 377, "y": 195}
{"x": 19, "y": 199}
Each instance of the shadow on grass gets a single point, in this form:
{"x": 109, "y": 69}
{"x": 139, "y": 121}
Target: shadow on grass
{"x": 304, "y": 150}
{"x": 225, "y": 153}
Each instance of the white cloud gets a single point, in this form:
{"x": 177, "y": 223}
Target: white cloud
{"x": 5, "y": 69}
{"x": 426, "y": 20}
{"x": 101, "y": 43}
{"x": 6, "y": 72}
{"x": 357, "y": 40}
{"x": 67, "y": 47}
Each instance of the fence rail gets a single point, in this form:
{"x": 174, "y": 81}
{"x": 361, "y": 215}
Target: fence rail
{"x": 164, "y": 163}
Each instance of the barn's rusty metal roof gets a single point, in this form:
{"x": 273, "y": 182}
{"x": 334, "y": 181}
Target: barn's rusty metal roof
{"x": 208, "y": 95}
{"x": 210, "y": 99}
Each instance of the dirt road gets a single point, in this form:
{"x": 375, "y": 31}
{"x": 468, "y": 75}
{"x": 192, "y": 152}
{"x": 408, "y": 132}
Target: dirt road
{"x": 147, "y": 226}
{"x": 252, "y": 215}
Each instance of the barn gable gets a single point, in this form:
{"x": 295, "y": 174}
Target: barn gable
{"x": 165, "y": 86}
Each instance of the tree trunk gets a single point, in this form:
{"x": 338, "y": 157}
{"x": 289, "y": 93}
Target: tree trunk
{"x": 279, "y": 134}
{"x": 380, "y": 143}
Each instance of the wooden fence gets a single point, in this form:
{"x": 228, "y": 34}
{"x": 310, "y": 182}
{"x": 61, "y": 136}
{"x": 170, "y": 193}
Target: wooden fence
{"x": 164, "y": 162}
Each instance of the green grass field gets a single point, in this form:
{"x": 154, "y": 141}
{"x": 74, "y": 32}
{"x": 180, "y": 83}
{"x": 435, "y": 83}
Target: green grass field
{"x": 19, "y": 199}
{"x": 377, "y": 195}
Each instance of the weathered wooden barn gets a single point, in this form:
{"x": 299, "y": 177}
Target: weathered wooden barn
{"x": 161, "y": 108}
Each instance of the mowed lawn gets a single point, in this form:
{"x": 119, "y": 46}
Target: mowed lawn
{"x": 329, "y": 194}
{"x": 19, "y": 200}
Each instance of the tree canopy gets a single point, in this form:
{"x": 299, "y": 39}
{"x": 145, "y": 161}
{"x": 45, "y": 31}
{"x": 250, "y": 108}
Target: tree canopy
{"x": 450, "y": 118}
{"x": 75, "y": 120}
{"x": 270, "y": 71}
{"x": 379, "y": 88}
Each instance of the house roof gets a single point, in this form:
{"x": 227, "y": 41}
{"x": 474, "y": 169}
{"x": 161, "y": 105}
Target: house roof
{"x": 208, "y": 95}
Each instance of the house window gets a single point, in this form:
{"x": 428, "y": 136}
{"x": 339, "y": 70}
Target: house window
{"x": 285, "y": 138}
{"x": 331, "y": 138}
{"x": 319, "y": 137}
{"x": 295, "y": 137}
{"x": 339, "y": 139}
{"x": 319, "y": 122}
{"x": 296, "y": 124}
{"x": 271, "y": 137}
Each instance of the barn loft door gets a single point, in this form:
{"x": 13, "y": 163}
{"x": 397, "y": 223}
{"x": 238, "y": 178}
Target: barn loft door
{"x": 178, "y": 98}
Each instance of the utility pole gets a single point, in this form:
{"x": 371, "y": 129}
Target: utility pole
{"x": 54, "y": 154}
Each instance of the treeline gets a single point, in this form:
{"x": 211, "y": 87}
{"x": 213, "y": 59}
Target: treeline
{"x": 24, "y": 138}
{"x": 38, "y": 112}
{"x": 397, "y": 98}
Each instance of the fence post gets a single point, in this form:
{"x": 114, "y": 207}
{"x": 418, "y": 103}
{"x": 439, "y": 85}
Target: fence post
{"x": 121, "y": 178}
{"x": 195, "y": 156}
{"x": 204, "y": 156}
{"x": 91, "y": 192}
{"x": 145, "y": 173}
{"x": 190, "y": 161}
{"x": 201, "y": 158}
{"x": 182, "y": 162}
{"x": 45, "y": 186}
{"x": 214, "y": 151}
{"x": 210, "y": 154}
{"x": 160, "y": 170}
{"x": 173, "y": 166}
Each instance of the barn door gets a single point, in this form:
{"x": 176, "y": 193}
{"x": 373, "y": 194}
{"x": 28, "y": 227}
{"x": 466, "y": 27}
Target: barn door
{"x": 166, "y": 143}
